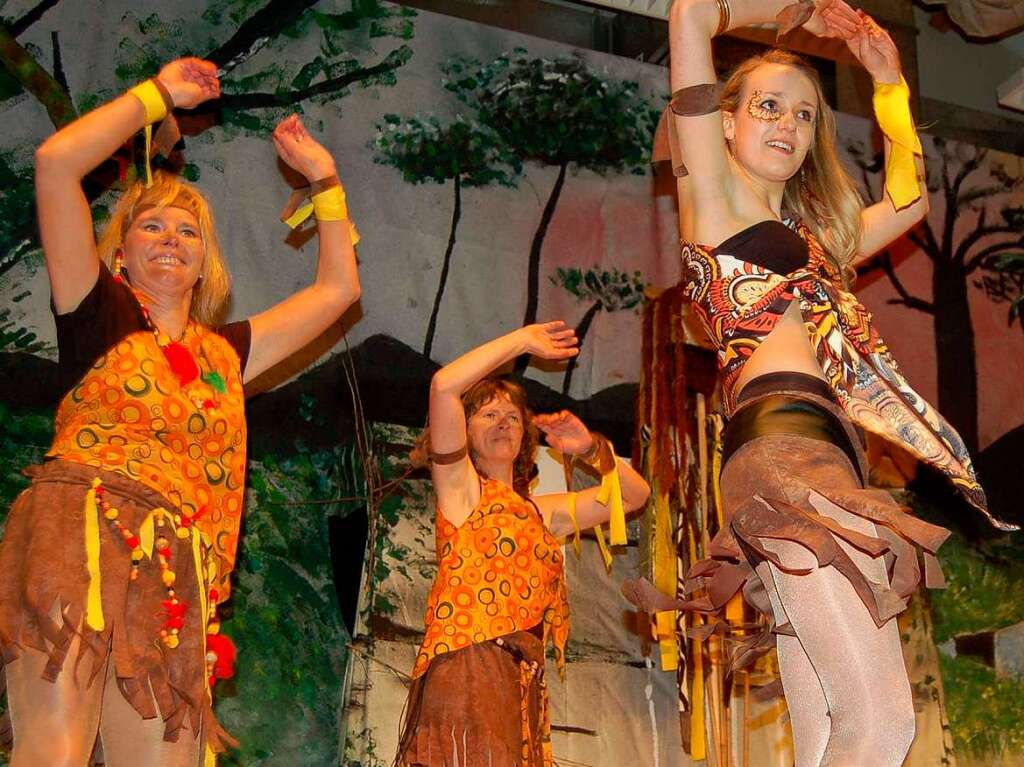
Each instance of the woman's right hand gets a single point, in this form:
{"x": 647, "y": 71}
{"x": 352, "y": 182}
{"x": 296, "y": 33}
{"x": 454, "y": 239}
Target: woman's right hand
{"x": 190, "y": 81}
{"x": 550, "y": 340}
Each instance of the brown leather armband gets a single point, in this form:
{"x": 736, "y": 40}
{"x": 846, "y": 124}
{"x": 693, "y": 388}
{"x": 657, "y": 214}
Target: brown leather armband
{"x": 446, "y": 459}
{"x": 697, "y": 100}
{"x": 600, "y": 456}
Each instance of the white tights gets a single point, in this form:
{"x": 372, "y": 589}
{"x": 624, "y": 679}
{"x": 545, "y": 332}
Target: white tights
{"x": 845, "y": 679}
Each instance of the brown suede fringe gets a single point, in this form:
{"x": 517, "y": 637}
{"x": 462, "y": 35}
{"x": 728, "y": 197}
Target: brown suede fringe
{"x": 43, "y": 561}
{"x": 467, "y": 708}
{"x": 776, "y": 487}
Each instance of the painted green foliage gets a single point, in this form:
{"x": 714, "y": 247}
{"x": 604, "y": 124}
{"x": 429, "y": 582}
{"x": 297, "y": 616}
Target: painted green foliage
{"x": 603, "y": 290}
{"x": 284, "y": 615}
{"x": 463, "y": 151}
{"x": 557, "y": 112}
{"x": 982, "y": 594}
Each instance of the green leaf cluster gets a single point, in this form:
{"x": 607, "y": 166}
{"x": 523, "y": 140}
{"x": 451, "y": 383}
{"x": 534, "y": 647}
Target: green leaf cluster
{"x": 557, "y": 111}
{"x": 425, "y": 149}
{"x": 613, "y": 289}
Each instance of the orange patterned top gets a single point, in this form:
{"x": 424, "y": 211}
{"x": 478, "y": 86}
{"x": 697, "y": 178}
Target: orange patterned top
{"x": 129, "y": 414}
{"x": 499, "y": 572}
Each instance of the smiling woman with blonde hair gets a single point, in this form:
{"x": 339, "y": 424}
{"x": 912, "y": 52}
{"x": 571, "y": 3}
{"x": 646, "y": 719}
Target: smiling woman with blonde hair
{"x": 115, "y": 558}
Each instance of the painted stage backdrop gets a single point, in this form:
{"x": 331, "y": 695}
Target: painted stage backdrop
{"x": 496, "y": 179}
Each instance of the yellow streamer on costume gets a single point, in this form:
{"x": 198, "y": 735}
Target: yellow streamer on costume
{"x": 892, "y": 109}
{"x": 610, "y": 495}
{"x": 664, "y": 556}
{"x": 606, "y": 555}
{"x": 210, "y": 760}
{"x": 147, "y": 132}
{"x": 571, "y": 508}
{"x": 698, "y": 736}
{"x": 94, "y": 594}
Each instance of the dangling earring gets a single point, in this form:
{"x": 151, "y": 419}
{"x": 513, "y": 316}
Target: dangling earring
{"x": 119, "y": 272}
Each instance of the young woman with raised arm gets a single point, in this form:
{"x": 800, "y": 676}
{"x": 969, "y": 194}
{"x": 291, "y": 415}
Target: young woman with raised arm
{"x": 772, "y": 226}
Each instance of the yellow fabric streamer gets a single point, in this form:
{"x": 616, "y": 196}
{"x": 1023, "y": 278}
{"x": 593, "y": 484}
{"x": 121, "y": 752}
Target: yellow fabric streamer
{"x": 610, "y": 495}
{"x": 606, "y": 555}
{"x": 665, "y": 623}
{"x": 892, "y": 110}
{"x": 571, "y": 509}
{"x": 664, "y": 556}
{"x": 328, "y": 205}
{"x": 94, "y": 594}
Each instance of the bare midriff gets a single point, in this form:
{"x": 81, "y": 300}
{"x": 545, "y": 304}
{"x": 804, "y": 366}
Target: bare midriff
{"x": 787, "y": 349}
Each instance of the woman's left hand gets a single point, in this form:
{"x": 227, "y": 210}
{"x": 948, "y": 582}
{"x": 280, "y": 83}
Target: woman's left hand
{"x": 301, "y": 151}
{"x": 565, "y": 432}
{"x": 868, "y": 41}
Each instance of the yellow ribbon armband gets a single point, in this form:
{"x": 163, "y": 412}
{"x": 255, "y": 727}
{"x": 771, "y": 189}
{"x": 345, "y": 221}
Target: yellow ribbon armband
{"x": 158, "y": 104}
{"x": 892, "y": 109}
{"x": 155, "y": 100}
{"x": 326, "y": 202}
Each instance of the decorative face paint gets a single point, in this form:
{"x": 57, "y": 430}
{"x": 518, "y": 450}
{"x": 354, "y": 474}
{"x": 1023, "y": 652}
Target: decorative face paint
{"x": 758, "y": 112}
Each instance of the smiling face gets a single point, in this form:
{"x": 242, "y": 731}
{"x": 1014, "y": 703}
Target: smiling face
{"x": 495, "y": 430}
{"x": 772, "y": 128}
{"x": 164, "y": 251}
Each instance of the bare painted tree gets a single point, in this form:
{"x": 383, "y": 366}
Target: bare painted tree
{"x": 461, "y": 151}
{"x": 556, "y": 112}
{"x": 604, "y": 290}
{"x": 976, "y": 194}
{"x": 249, "y": 36}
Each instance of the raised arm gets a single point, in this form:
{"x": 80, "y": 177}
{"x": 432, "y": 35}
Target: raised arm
{"x": 456, "y": 484}
{"x": 64, "y": 159}
{"x": 568, "y": 435}
{"x": 289, "y": 325}
{"x": 709, "y": 208}
{"x": 881, "y": 222}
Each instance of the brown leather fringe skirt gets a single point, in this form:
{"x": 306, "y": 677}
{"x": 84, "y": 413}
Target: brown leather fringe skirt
{"x": 43, "y": 563}
{"x": 482, "y": 706}
{"x": 787, "y": 466}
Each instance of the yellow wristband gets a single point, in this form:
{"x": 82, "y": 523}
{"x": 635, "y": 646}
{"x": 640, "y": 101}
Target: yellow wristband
{"x": 329, "y": 205}
{"x": 154, "y": 100}
{"x": 892, "y": 110}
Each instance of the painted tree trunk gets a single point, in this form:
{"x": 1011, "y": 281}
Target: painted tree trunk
{"x": 581, "y": 333}
{"x": 428, "y": 342}
{"x": 533, "y": 270}
{"x": 954, "y": 350}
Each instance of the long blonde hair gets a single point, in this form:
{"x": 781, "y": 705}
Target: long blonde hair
{"x": 211, "y": 291}
{"x": 822, "y": 194}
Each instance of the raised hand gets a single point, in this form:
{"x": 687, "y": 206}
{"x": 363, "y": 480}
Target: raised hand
{"x": 190, "y": 81}
{"x": 301, "y": 151}
{"x": 550, "y": 340}
{"x": 868, "y": 41}
{"x": 564, "y": 432}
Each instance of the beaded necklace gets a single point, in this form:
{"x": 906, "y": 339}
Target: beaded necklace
{"x": 200, "y": 387}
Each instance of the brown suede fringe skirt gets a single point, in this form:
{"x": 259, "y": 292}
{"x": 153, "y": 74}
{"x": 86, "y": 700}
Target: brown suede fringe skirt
{"x": 43, "y": 564}
{"x": 482, "y": 706}
{"x": 791, "y": 455}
